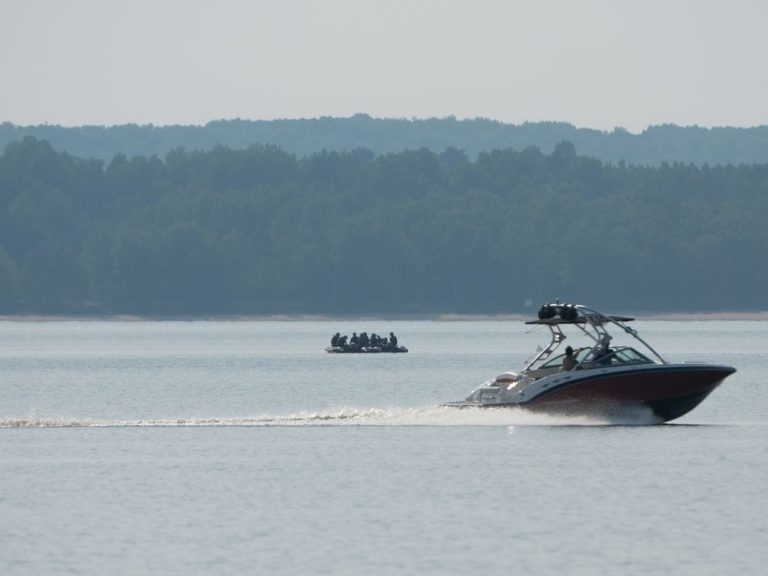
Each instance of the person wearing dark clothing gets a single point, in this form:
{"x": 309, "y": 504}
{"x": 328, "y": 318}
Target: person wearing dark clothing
{"x": 602, "y": 356}
{"x": 342, "y": 342}
{"x": 569, "y": 362}
{"x": 364, "y": 341}
{"x": 392, "y": 340}
{"x": 355, "y": 340}
{"x": 335, "y": 339}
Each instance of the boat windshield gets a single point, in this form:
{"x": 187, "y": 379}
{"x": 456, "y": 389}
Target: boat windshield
{"x": 614, "y": 357}
{"x": 629, "y": 356}
{"x": 557, "y": 361}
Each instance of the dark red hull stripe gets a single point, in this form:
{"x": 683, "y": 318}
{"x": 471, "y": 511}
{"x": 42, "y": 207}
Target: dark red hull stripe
{"x": 652, "y": 387}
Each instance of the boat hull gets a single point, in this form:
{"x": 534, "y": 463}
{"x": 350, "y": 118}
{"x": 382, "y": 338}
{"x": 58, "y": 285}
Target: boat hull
{"x": 664, "y": 392}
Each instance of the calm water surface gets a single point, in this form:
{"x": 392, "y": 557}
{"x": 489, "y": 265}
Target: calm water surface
{"x": 243, "y": 448}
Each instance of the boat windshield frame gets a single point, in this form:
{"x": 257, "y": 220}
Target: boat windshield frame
{"x": 591, "y": 323}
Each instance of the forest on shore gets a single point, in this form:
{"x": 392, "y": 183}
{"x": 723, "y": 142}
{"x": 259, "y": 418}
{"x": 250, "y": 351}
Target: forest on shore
{"x": 261, "y": 230}
{"x": 308, "y": 136}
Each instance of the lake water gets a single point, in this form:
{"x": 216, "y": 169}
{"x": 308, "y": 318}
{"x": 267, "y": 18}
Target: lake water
{"x": 243, "y": 448}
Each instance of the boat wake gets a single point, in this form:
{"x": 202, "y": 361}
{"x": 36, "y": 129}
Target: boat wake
{"x": 430, "y": 416}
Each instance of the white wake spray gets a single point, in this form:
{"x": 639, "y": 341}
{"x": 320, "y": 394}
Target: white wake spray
{"x": 429, "y": 416}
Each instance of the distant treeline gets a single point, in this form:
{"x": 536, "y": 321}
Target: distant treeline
{"x": 261, "y": 230}
{"x": 304, "y": 137}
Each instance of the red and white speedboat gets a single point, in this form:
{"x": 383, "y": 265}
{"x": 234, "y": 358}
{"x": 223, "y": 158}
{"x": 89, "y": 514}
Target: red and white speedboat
{"x": 599, "y": 379}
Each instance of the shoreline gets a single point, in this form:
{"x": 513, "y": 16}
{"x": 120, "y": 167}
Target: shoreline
{"x": 757, "y": 316}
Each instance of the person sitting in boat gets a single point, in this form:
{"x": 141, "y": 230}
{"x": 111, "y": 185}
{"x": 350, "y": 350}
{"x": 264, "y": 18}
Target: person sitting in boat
{"x": 363, "y": 340}
{"x": 335, "y": 340}
{"x": 569, "y": 361}
{"x": 342, "y": 342}
{"x": 392, "y": 340}
{"x": 375, "y": 339}
{"x": 354, "y": 342}
{"x": 602, "y": 355}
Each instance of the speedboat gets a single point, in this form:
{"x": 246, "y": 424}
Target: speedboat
{"x": 600, "y": 378}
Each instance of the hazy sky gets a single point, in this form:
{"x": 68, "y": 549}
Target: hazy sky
{"x": 594, "y": 63}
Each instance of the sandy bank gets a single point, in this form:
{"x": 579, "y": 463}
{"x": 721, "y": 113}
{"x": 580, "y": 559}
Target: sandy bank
{"x": 657, "y": 316}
